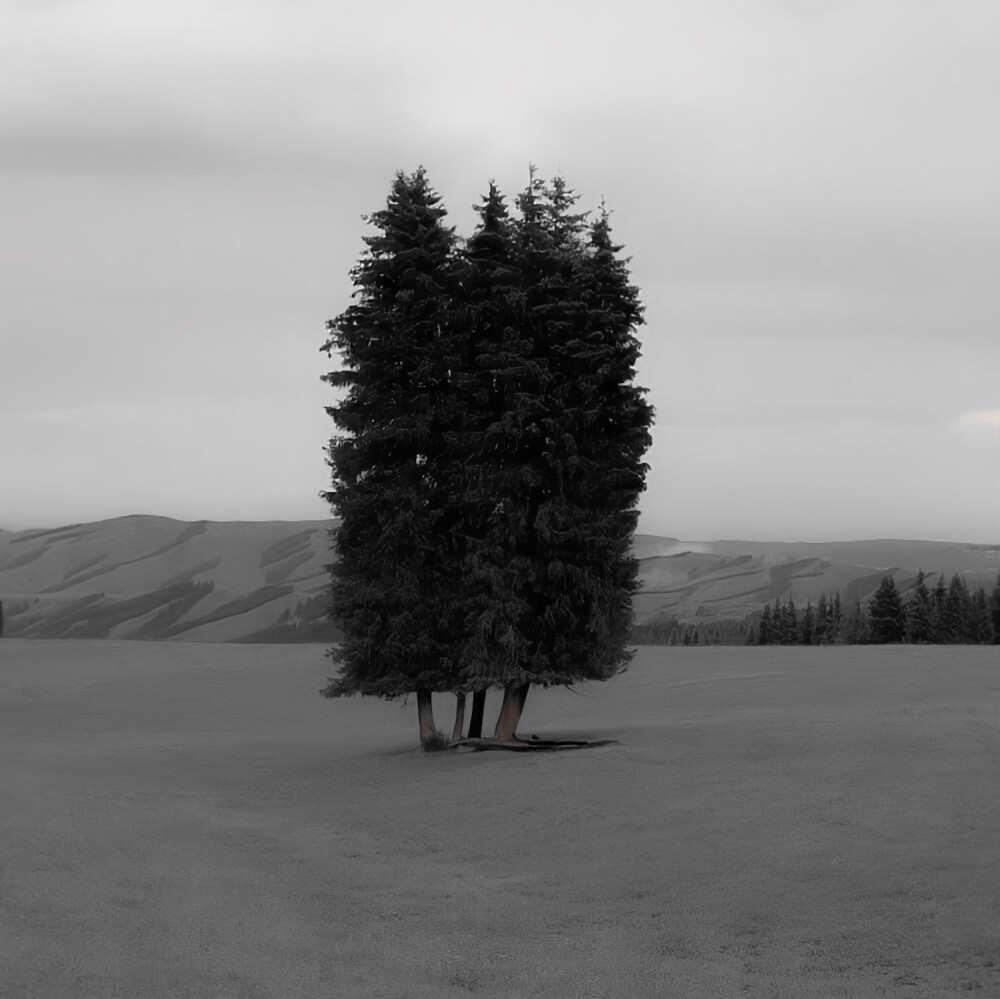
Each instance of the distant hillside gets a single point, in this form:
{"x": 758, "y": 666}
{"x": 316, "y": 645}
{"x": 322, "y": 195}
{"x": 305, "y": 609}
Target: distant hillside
{"x": 154, "y": 578}
{"x": 721, "y": 580}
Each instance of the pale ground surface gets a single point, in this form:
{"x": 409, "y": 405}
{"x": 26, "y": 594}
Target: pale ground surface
{"x": 195, "y": 821}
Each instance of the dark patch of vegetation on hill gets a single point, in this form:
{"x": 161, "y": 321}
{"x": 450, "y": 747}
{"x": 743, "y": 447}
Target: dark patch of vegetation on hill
{"x": 671, "y": 631}
{"x": 159, "y": 626}
{"x": 189, "y": 532}
{"x": 861, "y": 588}
{"x": 187, "y": 575}
{"x": 58, "y": 623}
{"x": 285, "y": 547}
{"x": 24, "y": 559}
{"x": 82, "y": 577}
{"x": 83, "y": 566}
{"x": 241, "y": 605}
{"x": 15, "y": 607}
{"x": 87, "y": 618}
{"x": 280, "y": 572}
{"x": 308, "y": 622}
{"x": 53, "y": 534}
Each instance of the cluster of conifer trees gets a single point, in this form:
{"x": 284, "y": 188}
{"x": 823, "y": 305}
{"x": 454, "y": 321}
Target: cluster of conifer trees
{"x": 952, "y": 614}
{"x": 489, "y": 460}
{"x": 671, "y": 631}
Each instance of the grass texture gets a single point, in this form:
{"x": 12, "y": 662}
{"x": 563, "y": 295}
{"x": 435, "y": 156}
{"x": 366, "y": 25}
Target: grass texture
{"x": 184, "y": 820}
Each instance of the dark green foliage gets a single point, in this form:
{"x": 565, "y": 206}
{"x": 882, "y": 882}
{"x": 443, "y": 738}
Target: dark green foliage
{"x": 980, "y": 620}
{"x": 858, "y": 629}
{"x": 822, "y": 625}
{"x": 955, "y": 619}
{"x": 995, "y": 610}
{"x": 764, "y": 632}
{"x": 489, "y": 466}
{"x": 790, "y": 624}
{"x": 940, "y": 598}
{"x": 394, "y": 581}
{"x": 781, "y": 625}
{"x": 950, "y": 613}
{"x": 919, "y": 614}
{"x": 808, "y": 628}
{"x": 836, "y": 619}
{"x": 885, "y": 613}
{"x": 555, "y": 465}
{"x": 657, "y": 632}
{"x": 669, "y": 631}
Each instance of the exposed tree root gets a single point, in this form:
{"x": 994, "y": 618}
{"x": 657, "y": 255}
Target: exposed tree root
{"x": 514, "y": 696}
{"x": 531, "y": 745}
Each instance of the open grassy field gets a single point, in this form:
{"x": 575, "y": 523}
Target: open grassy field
{"x": 184, "y": 820}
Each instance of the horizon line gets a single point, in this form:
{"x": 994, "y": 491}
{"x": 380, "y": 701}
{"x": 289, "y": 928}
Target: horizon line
{"x": 41, "y": 529}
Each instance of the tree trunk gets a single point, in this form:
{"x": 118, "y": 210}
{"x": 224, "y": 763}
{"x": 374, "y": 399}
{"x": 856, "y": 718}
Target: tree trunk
{"x": 476, "y": 720}
{"x": 459, "y": 717}
{"x": 425, "y": 713}
{"x": 514, "y": 696}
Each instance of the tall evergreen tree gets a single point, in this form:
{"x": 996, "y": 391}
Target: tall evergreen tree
{"x": 561, "y": 456}
{"x": 764, "y": 632}
{"x": 808, "y": 627}
{"x": 919, "y": 613}
{"x": 836, "y": 624}
{"x": 820, "y": 636}
{"x": 995, "y": 610}
{"x": 394, "y": 579}
{"x": 980, "y": 618}
{"x": 954, "y": 620}
{"x": 489, "y": 466}
{"x": 492, "y": 367}
{"x": 940, "y": 600}
{"x": 885, "y": 613}
{"x": 857, "y": 631}
{"x": 790, "y": 632}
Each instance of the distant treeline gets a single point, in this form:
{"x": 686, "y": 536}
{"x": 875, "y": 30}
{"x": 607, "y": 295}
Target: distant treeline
{"x": 946, "y": 615}
{"x": 952, "y": 614}
{"x": 670, "y": 631}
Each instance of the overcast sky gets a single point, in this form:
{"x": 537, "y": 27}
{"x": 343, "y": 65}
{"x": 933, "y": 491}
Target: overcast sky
{"x": 810, "y": 192}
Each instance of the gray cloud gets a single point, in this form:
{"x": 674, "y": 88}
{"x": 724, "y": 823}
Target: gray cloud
{"x": 808, "y": 192}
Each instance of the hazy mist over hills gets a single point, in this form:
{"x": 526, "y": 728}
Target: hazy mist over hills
{"x": 153, "y": 578}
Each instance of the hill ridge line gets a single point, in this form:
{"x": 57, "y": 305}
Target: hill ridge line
{"x": 144, "y": 576}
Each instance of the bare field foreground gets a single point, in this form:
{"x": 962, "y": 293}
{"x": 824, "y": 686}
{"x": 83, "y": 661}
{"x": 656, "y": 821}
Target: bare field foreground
{"x": 183, "y": 820}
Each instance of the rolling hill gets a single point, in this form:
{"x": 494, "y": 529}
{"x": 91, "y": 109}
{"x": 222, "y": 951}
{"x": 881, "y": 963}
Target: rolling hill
{"x": 154, "y": 578}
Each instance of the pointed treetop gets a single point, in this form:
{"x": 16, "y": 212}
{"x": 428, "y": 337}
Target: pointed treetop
{"x": 493, "y": 210}
{"x": 411, "y": 203}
